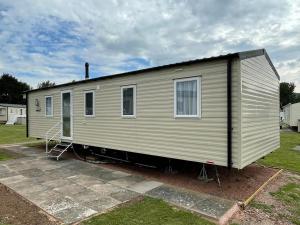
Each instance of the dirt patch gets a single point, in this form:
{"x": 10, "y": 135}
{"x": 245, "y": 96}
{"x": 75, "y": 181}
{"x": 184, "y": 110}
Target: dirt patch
{"x": 235, "y": 184}
{"x": 17, "y": 211}
{"x": 266, "y": 209}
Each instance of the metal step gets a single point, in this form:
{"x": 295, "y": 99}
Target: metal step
{"x": 58, "y": 150}
{"x": 62, "y": 145}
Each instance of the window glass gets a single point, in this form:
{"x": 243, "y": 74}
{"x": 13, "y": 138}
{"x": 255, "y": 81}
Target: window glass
{"x": 49, "y": 106}
{"x": 187, "y": 97}
{"x": 128, "y": 101}
{"x": 89, "y": 103}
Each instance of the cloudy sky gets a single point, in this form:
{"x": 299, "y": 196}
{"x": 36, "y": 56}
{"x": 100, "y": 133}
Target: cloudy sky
{"x": 51, "y": 40}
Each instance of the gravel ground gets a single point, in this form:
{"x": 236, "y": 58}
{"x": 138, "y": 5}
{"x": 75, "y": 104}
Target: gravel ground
{"x": 270, "y": 210}
{"x": 17, "y": 211}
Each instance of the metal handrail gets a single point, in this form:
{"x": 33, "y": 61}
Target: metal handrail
{"x": 53, "y": 136}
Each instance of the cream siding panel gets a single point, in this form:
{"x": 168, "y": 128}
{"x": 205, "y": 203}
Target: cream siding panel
{"x": 259, "y": 109}
{"x": 154, "y": 131}
{"x": 292, "y": 114}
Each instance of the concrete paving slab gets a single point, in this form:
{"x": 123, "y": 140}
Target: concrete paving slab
{"x": 124, "y": 195}
{"x": 144, "y": 186}
{"x": 85, "y": 180}
{"x": 128, "y": 181}
{"x": 55, "y": 183}
{"x": 72, "y": 190}
{"x": 40, "y": 197}
{"x": 102, "y": 204}
{"x": 86, "y": 196}
{"x": 212, "y": 207}
{"x": 7, "y": 174}
{"x": 3, "y": 169}
{"x": 55, "y": 205}
{"x": 202, "y": 203}
{"x": 12, "y": 179}
{"x": 175, "y": 196}
{"x": 104, "y": 189}
{"x": 34, "y": 172}
{"x": 25, "y": 189}
{"x": 71, "y": 215}
{"x": 109, "y": 176}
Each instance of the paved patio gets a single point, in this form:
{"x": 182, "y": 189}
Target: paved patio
{"x": 72, "y": 190}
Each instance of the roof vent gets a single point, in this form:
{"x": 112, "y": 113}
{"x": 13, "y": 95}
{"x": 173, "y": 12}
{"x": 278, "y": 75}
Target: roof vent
{"x": 87, "y": 75}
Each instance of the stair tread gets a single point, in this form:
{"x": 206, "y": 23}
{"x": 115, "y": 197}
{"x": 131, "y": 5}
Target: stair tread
{"x": 57, "y": 149}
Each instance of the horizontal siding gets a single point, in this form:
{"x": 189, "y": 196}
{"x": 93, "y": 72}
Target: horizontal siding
{"x": 155, "y": 131}
{"x": 260, "y": 109}
{"x": 294, "y": 114}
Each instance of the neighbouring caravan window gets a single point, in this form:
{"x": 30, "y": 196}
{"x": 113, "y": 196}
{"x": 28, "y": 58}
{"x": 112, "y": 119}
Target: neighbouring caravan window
{"x": 187, "y": 97}
{"x": 128, "y": 101}
{"x": 49, "y": 106}
{"x": 89, "y": 103}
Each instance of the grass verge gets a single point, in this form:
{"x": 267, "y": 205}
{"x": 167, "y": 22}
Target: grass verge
{"x": 10, "y": 134}
{"x": 149, "y": 211}
{"x": 264, "y": 207}
{"x": 289, "y": 194}
{"x": 285, "y": 157}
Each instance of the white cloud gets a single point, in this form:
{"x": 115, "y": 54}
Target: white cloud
{"x": 52, "y": 39}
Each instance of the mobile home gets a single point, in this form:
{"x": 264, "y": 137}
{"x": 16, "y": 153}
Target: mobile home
{"x": 291, "y": 114}
{"x": 222, "y": 110}
{"x": 12, "y": 113}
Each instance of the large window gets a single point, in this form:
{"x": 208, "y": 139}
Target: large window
{"x": 187, "y": 97}
{"x": 49, "y": 106}
{"x": 89, "y": 103}
{"x": 128, "y": 102}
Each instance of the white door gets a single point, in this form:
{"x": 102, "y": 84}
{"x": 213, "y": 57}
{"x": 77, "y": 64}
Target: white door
{"x": 67, "y": 115}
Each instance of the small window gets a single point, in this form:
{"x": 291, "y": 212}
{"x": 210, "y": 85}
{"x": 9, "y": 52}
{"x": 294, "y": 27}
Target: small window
{"x": 187, "y": 97}
{"x": 21, "y": 112}
{"x": 128, "y": 102}
{"x": 2, "y": 112}
{"x": 49, "y": 106}
{"x": 89, "y": 103}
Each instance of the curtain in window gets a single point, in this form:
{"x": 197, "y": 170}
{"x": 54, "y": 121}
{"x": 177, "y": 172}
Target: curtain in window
{"x": 128, "y": 102}
{"x": 48, "y": 106}
{"x": 186, "y": 92}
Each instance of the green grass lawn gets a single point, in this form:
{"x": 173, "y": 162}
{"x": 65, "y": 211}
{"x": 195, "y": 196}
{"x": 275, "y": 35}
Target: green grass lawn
{"x": 149, "y": 211}
{"x": 289, "y": 194}
{"x": 13, "y": 134}
{"x": 285, "y": 157}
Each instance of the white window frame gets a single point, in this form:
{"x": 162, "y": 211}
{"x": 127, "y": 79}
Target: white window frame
{"x": 49, "y": 96}
{"x": 71, "y": 113}
{"x": 198, "y": 79}
{"x": 86, "y": 92}
{"x": 134, "y": 101}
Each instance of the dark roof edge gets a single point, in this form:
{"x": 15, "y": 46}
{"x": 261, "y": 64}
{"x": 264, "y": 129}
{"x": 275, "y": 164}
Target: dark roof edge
{"x": 241, "y": 55}
{"x": 254, "y": 53}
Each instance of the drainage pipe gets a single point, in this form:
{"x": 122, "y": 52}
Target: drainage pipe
{"x": 229, "y": 113}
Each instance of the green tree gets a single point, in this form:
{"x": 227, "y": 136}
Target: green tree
{"x": 12, "y": 90}
{"x": 45, "y": 84}
{"x": 287, "y": 94}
